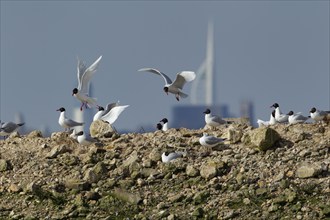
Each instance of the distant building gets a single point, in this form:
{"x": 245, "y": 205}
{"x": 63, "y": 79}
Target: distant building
{"x": 247, "y": 111}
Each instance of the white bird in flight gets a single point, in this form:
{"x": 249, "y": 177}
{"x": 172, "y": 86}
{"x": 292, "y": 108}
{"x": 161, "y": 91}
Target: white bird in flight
{"x": 65, "y": 122}
{"x": 111, "y": 113}
{"x": 210, "y": 141}
{"x": 84, "y": 76}
{"x": 176, "y": 86}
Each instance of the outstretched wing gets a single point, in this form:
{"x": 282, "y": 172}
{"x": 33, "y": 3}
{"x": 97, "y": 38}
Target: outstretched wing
{"x": 155, "y": 71}
{"x": 113, "y": 114}
{"x": 81, "y": 68}
{"x": 86, "y": 77}
{"x": 183, "y": 77}
{"x": 109, "y": 107}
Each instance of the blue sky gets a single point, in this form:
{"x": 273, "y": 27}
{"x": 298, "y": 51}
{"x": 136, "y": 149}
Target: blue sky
{"x": 266, "y": 51}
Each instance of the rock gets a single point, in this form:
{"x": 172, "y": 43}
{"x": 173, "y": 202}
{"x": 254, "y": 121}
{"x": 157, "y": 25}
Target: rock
{"x": 308, "y": 170}
{"x": 35, "y": 134}
{"x": 100, "y": 129}
{"x": 93, "y": 175}
{"x": 14, "y": 188}
{"x": 5, "y": 165}
{"x": 127, "y": 196}
{"x": 155, "y": 155}
{"x": 131, "y": 159}
{"x": 209, "y": 170}
{"x": 77, "y": 184}
{"x": 192, "y": 171}
{"x": 234, "y": 135}
{"x": 263, "y": 138}
{"x": 57, "y": 150}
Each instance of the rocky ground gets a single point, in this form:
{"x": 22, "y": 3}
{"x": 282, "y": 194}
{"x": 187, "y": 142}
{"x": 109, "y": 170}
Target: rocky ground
{"x": 280, "y": 172}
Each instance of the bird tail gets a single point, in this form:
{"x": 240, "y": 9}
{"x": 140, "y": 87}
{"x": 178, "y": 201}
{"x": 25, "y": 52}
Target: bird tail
{"x": 21, "y": 124}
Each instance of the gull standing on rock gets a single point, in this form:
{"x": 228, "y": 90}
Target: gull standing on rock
{"x": 65, "y": 122}
{"x": 279, "y": 117}
{"x": 111, "y": 113}
{"x": 165, "y": 124}
{"x": 319, "y": 115}
{"x": 85, "y": 139}
{"x": 271, "y": 121}
{"x": 210, "y": 141}
{"x": 7, "y": 128}
{"x": 296, "y": 118}
{"x": 84, "y": 76}
{"x": 213, "y": 120}
{"x": 176, "y": 86}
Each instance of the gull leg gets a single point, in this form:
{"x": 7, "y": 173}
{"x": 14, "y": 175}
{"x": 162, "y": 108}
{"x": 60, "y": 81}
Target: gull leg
{"x": 82, "y": 104}
{"x": 177, "y": 97}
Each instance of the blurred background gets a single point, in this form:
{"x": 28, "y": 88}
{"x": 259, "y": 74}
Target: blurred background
{"x": 247, "y": 55}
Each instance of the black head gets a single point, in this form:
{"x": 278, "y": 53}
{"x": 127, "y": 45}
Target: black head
{"x": 61, "y": 109}
{"x": 290, "y": 113}
{"x": 159, "y": 126}
{"x": 100, "y": 108}
{"x": 164, "y": 120}
{"x": 275, "y": 105}
{"x": 313, "y": 110}
{"x": 74, "y": 91}
{"x": 80, "y": 133}
{"x": 166, "y": 90}
{"x": 207, "y": 111}
{"x": 166, "y": 153}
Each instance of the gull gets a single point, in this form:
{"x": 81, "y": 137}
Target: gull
{"x": 111, "y": 113}
{"x": 65, "y": 122}
{"x": 176, "y": 86}
{"x": 85, "y": 139}
{"x": 213, "y": 120}
{"x": 279, "y": 117}
{"x": 84, "y": 76}
{"x": 6, "y": 128}
{"x": 167, "y": 157}
{"x": 271, "y": 121}
{"x": 165, "y": 124}
{"x": 296, "y": 118}
{"x": 319, "y": 115}
{"x": 210, "y": 141}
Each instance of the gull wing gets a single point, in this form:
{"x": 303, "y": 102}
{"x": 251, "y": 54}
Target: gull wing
{"x": 86, "y": 76}
{"x": 9, "y": 127}
{"x": 109, "y": 107}
{"x": 182, "y": 78}
{"x": 113, "y": 114}
{"x": 155, "y": 71}
{"x": 81, "y": 68}
{"x": 212, "y": 140}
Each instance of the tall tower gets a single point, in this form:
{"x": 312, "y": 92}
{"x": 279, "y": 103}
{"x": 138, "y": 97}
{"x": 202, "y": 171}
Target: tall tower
{"x": 205, "y": 73}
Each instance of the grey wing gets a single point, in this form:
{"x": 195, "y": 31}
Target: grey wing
{"x": 81, "y": 68}
{"x": 218, "y": 119}
{"x": 182, "y": 78}
{"x": 87, "y": 75}
{"x": 109, "y": 107}
{"x": 301, "y": 118}
{"x": 72, "y": 123}
{"x": 155, "y": 71}
{"x": 9, "y": 127}
{"x": 212, "y": 140}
